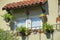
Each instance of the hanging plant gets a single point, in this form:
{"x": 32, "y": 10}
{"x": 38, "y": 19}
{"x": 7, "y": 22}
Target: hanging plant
{"x": 23, "y": 31}
{"x": 8, "y": 17}
{"x": 48, "y": 29}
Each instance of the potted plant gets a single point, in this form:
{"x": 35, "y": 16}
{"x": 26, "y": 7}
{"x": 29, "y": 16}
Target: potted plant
{"x": 48, "y": 29}
{"x": 7, "y": 17}
{"x": 27, "y": 32}
{"x": 23, "y": 30}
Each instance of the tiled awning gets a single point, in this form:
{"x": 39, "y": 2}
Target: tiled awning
{"x": 22, "y": 3}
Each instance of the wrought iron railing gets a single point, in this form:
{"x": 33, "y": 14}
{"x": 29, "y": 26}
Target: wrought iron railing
{"x": 56, "y": 26}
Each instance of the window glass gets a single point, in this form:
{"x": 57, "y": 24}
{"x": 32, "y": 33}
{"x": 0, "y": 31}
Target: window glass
{"x": 36, "y": 23}
{"x": 21, "y": 22}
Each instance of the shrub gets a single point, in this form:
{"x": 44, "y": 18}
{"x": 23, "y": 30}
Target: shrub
{"x": 7, "y": 35}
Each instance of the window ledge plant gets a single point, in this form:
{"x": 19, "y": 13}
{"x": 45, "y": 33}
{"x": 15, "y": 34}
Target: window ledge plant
{"x": 23, "y": 31}
{"x": 48, "y": 29}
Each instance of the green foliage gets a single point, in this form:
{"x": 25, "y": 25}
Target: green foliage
{"x": 27, "y": 30}
{"x": 11, "y": 17}
{"x": 47, "y": 26}
{"x": 7, "y": 35}
{"x": 1, "y": 30}
{"x": 23, "y": 29}
{"x": 7, "y": 15}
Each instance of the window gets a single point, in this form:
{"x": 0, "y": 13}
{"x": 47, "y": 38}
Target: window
{"x": 31, "y": 23}
{"x": 21, "y": 22}
{"x": 36, "y": 23}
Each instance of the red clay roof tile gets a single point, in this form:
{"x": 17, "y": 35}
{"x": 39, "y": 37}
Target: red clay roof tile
{"x": 22, "y": 3}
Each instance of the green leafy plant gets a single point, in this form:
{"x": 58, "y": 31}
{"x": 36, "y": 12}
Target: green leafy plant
{"x": 8, "y": 17}
{"x": 1, "y": 30}
{"x": 23, "y": 30}
{"x": 47, "y": 27}
{"x": 27, "y": 31}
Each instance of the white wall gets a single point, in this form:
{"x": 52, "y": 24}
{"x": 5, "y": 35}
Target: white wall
{"x": 53, "y": 11}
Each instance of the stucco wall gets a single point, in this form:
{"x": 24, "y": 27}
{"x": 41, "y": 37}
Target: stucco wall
{"x": 53, "y": 11}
